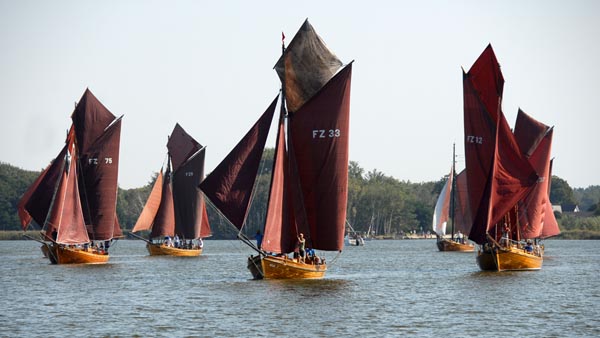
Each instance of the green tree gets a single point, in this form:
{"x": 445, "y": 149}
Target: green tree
{"x": 561, "y": 192}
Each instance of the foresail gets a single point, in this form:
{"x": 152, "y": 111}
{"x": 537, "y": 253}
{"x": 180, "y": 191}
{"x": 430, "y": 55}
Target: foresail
{"x": 38, "y": 203}
{"x": 229, "y": 186}
{"x": 164, "y": 221}
{"x": 279, "y": 235}
{"x": 69, "y": 220}
{"x": 318, "y": 143}
{"x": 305, "y": 67}
{"x": 146, "y": 218}
{"x": 22, "y": 211}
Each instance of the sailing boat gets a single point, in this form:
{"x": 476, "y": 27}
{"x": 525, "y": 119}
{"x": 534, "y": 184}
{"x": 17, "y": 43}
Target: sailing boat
{"x": 74, "y": 198}
{"x": 175, "y": 210}
{"x": 309, "y": 182}
{"x": 445, "y": 209}
{"x": 353, "y": 237}
{"x": 499, "y": 176}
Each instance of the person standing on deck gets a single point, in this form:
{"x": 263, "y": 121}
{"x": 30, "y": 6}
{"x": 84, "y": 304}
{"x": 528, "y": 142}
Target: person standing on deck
{"x": 301, "y": 246}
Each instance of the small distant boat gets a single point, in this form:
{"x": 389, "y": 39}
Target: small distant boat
{"x": 308, "y": 191}
{"x": 74, "y": 198}
{"x": 506, "y": 181}
{"x": 446, "y": 210}
{"x": 353, "y": 238}
{"x": 175, "y": 211}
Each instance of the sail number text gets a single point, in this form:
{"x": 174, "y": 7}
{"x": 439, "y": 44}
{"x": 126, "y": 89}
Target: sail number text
{"x": 326, "y": 133}
{"x": 474, "y": 139}
{"x": 189, "y": 173}
{"x": 94, "y": 160}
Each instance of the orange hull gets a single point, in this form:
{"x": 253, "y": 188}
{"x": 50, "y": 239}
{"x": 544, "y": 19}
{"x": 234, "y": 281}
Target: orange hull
{"x": 508, "y": 259}
{"x": 163, "y": 250}
{"x": 283, "y": 268}
{"x": 450, "y": 245}
{"x": 59, "y": 254}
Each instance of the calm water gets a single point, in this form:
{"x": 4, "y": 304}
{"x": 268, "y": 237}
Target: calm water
{"x": 387, "y": 288}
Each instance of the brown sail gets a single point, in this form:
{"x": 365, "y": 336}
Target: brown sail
{"x": 305, "y": 66}
{"x": 319, "y": 140}
{"x": 164, "y": 222}
{"x": 99, "y": 171}
{"x": 229, "y": 186}
{"x": 187, "y": 198}
{"x": 535, "y": 212}
{"x": 181, "y": 146}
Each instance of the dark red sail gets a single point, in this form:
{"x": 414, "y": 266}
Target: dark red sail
{"x": 164, "y": 221}
{"x": 187, "y": 198}
{"x": 229, "y": 186}
{"x": 90, "y": 119}
{"x": 98, "y": 186}
{"x": 319, "y": 142}
{"x": 38, "y": 203}
{"x": 24, "y": 214}
{"x": 280, "y": 235}
{"x": 535, "y": 141}
{"x": 181, "y": 146}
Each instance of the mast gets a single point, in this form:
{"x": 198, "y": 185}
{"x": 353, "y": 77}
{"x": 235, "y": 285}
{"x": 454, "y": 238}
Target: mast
{"x": 453, "y": 187}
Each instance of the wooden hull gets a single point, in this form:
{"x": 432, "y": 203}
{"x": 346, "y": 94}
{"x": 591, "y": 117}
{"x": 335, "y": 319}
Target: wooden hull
{"x": 508, "y": 259}
{"x": 450, "y": 245}
{"x": 59, "y": 254}
{"x": 163, "y": 250}
{"x": 271, "y": 267}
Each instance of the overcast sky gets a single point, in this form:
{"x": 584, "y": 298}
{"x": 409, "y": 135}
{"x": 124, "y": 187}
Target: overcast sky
{"x": 208, "y": 66}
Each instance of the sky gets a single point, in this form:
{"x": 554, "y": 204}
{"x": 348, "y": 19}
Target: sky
{"x": 208, "y": 65}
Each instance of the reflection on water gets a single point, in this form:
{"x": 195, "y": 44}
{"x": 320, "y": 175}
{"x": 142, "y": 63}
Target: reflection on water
{"x": 386, "y": 288}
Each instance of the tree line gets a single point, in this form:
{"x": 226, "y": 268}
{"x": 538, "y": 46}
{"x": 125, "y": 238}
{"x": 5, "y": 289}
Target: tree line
{"x": 377, "y": 202}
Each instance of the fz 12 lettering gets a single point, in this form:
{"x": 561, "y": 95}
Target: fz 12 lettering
{"x": 474, "y": 139}
{"x": 326, "y": 133}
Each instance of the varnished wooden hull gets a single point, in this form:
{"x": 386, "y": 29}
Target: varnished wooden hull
{"x": 59, "y": 254}
{"x": 508, "y": 259}
{"x": 163, "y": 250}
{"x": 271, "y": 267}
{"x": 450, "y": 245}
